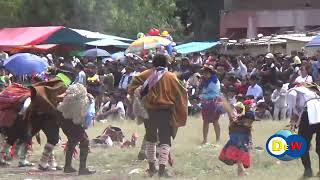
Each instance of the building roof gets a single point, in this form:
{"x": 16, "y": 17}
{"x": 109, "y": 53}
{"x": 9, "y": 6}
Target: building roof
{"x": 276, "y": 39}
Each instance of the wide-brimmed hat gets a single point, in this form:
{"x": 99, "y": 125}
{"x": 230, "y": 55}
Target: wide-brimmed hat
{"x": 312, "y": 86}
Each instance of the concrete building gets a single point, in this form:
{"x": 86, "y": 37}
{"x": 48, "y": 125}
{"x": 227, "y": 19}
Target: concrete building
{"x": 247, "y": 18}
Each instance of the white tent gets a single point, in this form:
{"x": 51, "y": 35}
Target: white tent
{"x": 97, "y": 35}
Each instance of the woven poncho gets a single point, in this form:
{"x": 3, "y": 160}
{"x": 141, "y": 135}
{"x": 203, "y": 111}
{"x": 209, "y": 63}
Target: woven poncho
{"x": 75, "y": 104}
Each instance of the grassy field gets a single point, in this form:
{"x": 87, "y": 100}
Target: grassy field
{"x": 192, "y": 161}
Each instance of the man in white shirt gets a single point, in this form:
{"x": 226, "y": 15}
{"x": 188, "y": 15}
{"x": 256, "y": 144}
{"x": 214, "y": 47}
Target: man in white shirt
{"x": 239, "y": 69}
{"x": 279, "y": 98}
{"x": 114, "y": 108}
{"x": 254, "y": 89}
{"x": 126, "y": 78}
{"x": 304, "y": 108}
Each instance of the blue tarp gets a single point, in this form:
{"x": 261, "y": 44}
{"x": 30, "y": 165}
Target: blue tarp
{"x": 314, "y": 42}
{"x": 195, "y": 47}
{"x": 108, "y": 42}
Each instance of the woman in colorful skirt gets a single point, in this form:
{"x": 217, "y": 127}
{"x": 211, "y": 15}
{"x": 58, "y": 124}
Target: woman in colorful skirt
{"x": 211, "y": 102}
{"x": 236, "y": 151}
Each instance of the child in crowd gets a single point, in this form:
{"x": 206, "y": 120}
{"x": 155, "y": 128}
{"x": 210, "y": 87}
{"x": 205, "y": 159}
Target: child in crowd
{"x": 231, "y": 95}
{"x": 113, "y": 107}
{"x": 262, "y": 112}
{"x": 279, "y": 98}
{"x": 195, "y": 105}
{"x": 236, "y": 151}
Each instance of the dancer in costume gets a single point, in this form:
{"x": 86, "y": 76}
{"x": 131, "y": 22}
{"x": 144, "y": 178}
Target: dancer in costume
{"x": 167, "y": 110}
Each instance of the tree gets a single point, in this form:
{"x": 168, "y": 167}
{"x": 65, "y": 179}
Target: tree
{"x": 131, "y": 17}
{"x": 121, "y": 17}
{"x": 202, "y": 18}
{"x": 9, "y": 13}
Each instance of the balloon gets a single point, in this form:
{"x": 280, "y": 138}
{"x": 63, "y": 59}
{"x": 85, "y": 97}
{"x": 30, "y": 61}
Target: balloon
{"x": 165, "y": 33}
{"x": 140, "y": 35}
{"x": 154, "y": 32}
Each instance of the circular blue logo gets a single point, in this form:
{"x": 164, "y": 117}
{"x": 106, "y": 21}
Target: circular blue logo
{"x": 286, "y": 146}
{"x": 276, "y": 145}
{"x": 297, "y": 146}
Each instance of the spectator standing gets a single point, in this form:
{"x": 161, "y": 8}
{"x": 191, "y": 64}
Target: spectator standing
{"x": 239, "y": 69}
{"x": 126, "y": 78}
{"x": 304, "y": 77}
{"x": 81, "y": 75}
{"x": 269, "y": 70}
{"x": 196, "y": 60}
{"x": 279, "y": 99}
{"x": 211, "y": 102}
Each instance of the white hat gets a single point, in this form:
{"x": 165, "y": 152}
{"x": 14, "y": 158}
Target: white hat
{"x": 296, "y": 60}
{"x": 269, "y": 56}
{"x": 49, "y": 56}
{"x": 107, "y": 60}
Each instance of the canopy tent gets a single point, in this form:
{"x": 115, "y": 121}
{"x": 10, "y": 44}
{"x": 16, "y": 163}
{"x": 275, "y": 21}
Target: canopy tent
{"x": 97, "y": 35}
{"x": 66, "y": 36}
{"x": 30, "y": 48}
{"x": 26, "y": 35}
{"x": 109, "y": 42}
{"x": 195, "y": 47}
{"x": 314, "y": 42}
{"x": 38, "y": 38}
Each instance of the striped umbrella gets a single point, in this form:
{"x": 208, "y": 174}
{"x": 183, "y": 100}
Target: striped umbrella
{"x": 148, "y": 42}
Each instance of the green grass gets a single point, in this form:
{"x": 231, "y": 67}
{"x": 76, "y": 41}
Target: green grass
{"x": 192, "y": 161}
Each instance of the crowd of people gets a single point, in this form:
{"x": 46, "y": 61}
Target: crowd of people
{"x": 245, "y": 87}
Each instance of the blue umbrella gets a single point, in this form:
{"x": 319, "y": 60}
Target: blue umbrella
{"x": 118, "y": 55}
{"x": 315, "y": 42}
{"x": 25, "y": 64}
{"x": 96, "y": 53}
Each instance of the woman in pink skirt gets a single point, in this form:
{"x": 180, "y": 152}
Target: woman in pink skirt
{"x": 211, "y": 102}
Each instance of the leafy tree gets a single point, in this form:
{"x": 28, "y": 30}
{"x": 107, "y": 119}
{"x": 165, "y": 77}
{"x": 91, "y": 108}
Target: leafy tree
{"x": 9, "y": 13}
{"x": 131, "y": 17}
{"x": 201, "y": 18}
{"x": 120, "y": 17}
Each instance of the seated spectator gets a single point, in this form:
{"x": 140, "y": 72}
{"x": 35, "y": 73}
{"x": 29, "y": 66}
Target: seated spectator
{"x": 112, "y": 109}
{"x": 262, "y": 112}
